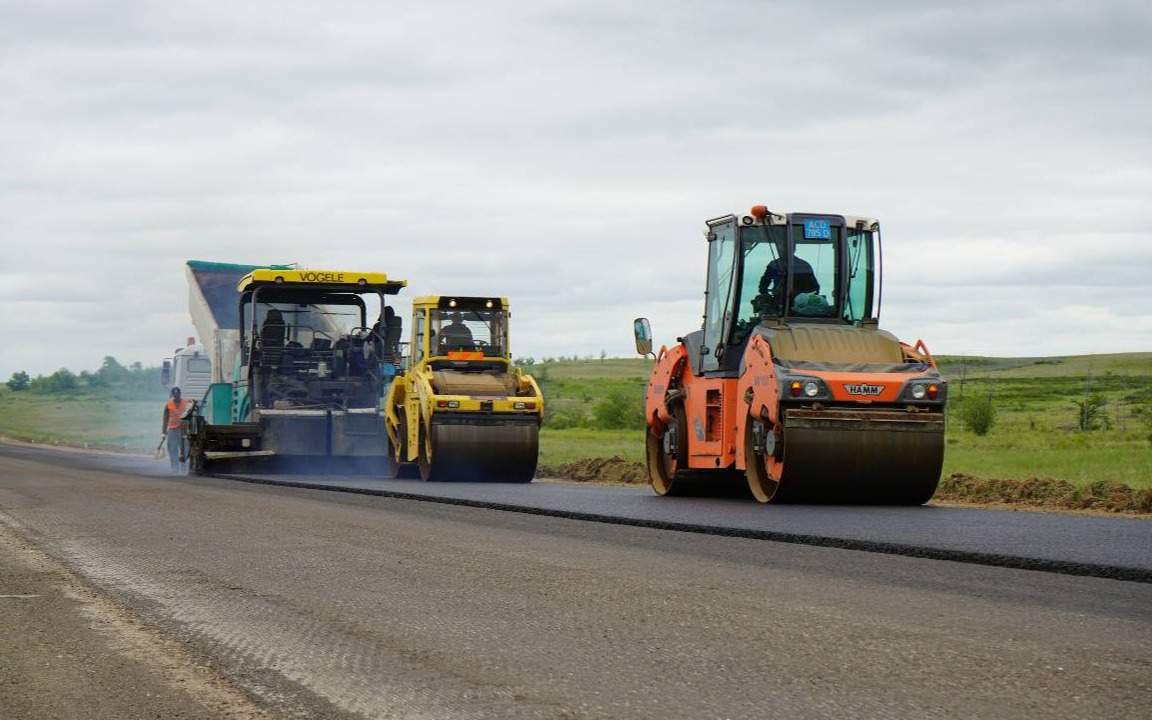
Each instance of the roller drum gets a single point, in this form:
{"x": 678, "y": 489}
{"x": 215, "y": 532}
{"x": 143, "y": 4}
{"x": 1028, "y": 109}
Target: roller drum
{"x": 832, "y": 456}
{"x": 482, "y": 451}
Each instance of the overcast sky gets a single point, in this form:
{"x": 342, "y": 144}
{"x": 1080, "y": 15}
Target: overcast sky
{"x": 567, "y": 154}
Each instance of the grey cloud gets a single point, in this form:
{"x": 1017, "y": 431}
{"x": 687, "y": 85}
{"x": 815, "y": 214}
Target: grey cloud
{"x": 567, "y": 155}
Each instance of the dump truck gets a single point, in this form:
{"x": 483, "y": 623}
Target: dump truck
{"x": 310, "y": 366}
{"x": 461, "y": 411}
{"x": 790, "y": 380}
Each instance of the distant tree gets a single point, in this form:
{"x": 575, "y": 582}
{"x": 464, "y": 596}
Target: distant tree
{"x": 111, "y": 371}
{"x": 19, "y": 381}
{"x": 562, "y": 419}
{"x": 619, "y": 410}
{"x": 978, "y": 414}
{"x": 603, "y": 355}
{"x": 61, "y": 381}
{"x": 92, "y": 379}
{"x": 1090, "y": 412}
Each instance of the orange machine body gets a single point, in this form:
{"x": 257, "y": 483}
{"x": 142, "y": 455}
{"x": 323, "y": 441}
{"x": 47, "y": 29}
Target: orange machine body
{"x": 838, "y": 410}
{"x": 717, "y": 418}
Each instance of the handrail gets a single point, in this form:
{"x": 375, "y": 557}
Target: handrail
{"x": 919, "y": 352}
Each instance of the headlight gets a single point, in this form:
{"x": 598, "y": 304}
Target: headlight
{"x": 805, "y": 388}
{"x": 923, "y": 391}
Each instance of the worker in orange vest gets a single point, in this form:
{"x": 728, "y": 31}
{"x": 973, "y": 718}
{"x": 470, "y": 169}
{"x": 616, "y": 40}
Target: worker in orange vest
{"x": 174, "y": 411}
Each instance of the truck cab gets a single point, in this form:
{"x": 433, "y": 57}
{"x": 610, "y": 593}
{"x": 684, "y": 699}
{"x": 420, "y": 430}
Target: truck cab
{"x": 189, "y": 369}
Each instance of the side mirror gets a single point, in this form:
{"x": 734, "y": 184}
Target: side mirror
{"x": 166, "y": 373}
{"x": 642, "y": 329}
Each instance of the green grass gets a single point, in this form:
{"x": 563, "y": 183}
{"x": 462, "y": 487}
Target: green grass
{"x": 568, "y": 445}
{"x": 1080, "y": 366}
{"x": 1035, "y": 434}
{"x": 76, "y": 420}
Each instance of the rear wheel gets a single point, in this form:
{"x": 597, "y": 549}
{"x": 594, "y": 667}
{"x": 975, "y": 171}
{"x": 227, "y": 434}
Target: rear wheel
{"x": 667, "y": 454}
{"x": 399, "y": 467}
{"x": 424, "y": 462}
{"x": 764, "y": 460}
{"x": 195, "y": 456}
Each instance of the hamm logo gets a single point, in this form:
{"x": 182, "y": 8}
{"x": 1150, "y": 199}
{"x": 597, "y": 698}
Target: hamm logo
{"x": 864, "y": 389}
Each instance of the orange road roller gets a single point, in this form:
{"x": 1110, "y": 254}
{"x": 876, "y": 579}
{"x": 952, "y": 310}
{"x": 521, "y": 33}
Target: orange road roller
{"x": 791, "y": 381}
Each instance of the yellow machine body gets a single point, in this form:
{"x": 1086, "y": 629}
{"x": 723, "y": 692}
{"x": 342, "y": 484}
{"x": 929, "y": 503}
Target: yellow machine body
{"x": 461, "y": 410}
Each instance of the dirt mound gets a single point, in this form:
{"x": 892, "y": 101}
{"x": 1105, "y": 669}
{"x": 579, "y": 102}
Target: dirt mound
{"x": 599, "y": 470}
{"x": 1045, "y": 492}
{"x": 1104, "y": 495}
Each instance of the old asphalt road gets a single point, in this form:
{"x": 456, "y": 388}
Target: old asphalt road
{"x": 322, "y": 604}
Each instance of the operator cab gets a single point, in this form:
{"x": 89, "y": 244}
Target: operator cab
{"x": 461, "y": 333}
{"x": 782, "y": 270}
{"x": 321, "y": 340}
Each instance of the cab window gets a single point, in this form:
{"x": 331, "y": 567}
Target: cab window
{"x": 815, "y": 273}
{"x": 418, "y": 330}
{"x": 719, "y": 305}
{"x": 765, "y": 273}
{"x": 861, "y": 277}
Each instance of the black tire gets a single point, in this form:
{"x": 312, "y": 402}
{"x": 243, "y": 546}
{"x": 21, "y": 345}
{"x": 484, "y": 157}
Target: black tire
{"x": 761, "y": 484}
{"x": 427, "y": 468}
{"x": 196, "y": 460}
{"x": 667, "y": 455}
{"x": 398, "y": 469}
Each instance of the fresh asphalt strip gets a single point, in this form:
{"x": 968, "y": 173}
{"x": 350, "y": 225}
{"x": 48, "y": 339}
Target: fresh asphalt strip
{"x": 1119, "y": 548}
{"x": 1105, "y": 547}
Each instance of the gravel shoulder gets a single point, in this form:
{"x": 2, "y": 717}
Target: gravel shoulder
{"x": 66, "y": 651}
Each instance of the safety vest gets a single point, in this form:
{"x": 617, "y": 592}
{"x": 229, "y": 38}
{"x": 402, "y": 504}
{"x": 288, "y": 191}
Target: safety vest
{"x": 175, "y": 412}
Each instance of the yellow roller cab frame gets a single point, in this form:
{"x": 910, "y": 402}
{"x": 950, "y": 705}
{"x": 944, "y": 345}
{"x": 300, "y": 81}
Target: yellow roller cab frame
{"x": 461, "y": 410}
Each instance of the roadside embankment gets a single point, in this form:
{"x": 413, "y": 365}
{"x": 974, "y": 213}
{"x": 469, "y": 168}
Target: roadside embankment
{"x": 1037, "y": 493}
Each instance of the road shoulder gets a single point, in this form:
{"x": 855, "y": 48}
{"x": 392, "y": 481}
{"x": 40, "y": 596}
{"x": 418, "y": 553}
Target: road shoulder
{"x": 68, "y": 652}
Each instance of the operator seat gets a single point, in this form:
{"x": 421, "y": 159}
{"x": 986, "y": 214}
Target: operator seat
{"x": 393, "y": 328}
{"x": 272, "y": 334}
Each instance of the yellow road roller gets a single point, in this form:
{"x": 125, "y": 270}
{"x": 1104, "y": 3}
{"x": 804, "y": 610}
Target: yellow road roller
{"x": 461, "y": 411}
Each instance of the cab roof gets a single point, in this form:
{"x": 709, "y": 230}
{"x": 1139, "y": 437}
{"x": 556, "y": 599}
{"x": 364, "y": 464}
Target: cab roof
{"x": 761, "y": 215}
{"x": 343, "y": 280}
{"x": 462, "y": 301}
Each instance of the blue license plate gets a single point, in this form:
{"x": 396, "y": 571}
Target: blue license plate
{"x": 817, "y": 230}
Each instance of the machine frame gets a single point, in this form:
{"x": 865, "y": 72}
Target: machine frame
{"x": 481, "y": 401}
{"x": 830, "y": 398}
{"x": 290, "y": 435}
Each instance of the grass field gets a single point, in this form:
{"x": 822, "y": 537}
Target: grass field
{"x": 1035, "y": 434}
{"x": 77, "y": 420}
